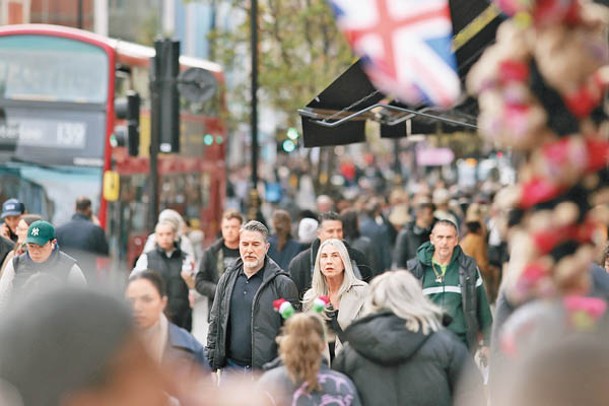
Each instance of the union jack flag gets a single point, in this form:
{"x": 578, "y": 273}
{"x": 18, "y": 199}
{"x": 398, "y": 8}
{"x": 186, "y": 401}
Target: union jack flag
{"x": 405, "y": 46}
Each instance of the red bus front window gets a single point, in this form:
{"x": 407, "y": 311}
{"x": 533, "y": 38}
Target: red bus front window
{"x": 33, "y": 67}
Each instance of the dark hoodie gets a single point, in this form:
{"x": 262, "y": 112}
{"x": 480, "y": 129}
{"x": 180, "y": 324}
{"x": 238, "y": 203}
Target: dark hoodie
{"x": 391, "y": 365}
{"x": 408, "y": 240}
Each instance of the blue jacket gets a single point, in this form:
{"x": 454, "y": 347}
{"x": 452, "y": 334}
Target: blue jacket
{"x": 184, "y": 350}
{"x": 283, "y": 257}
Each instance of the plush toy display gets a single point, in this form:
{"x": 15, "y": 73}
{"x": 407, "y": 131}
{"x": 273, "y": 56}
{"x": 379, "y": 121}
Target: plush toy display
{"x": 556, "y": 48}
{"x": 541, "y": 90}
{"x": 542, "y": 12}
{"x": 510, "y": 114}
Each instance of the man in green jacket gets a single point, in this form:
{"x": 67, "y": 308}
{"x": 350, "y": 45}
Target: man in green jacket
{"x": 452, "y": 280}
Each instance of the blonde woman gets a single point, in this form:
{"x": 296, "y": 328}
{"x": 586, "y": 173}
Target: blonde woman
{"x": 304, "y": 379}
{"x": 399, "y": 353}
{"x": 333, "y": 276}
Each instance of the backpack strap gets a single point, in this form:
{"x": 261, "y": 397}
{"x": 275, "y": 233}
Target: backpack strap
{"x": 470, "y": 268}
{"x": 468, "y": 275}
{"x": 336, "y": 327}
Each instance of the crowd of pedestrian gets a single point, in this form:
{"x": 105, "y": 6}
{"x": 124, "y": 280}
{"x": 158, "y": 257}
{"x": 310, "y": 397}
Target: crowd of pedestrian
{"x": 373, "y": 311}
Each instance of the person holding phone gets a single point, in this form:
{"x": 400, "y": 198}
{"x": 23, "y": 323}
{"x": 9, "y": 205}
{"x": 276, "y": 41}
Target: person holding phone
{"x": 12, "y": 210}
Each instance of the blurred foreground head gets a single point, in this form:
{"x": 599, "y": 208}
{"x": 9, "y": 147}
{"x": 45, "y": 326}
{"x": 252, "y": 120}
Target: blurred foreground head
{"x": 554, "y": 353}
{"x": 74, "y": 348}
{"x": 573, "y": 372}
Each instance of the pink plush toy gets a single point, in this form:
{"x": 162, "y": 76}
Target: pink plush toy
{"x": 542, "y": 12}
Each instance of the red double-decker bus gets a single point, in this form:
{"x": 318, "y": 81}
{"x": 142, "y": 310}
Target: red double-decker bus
{"x": 58, "y": 93}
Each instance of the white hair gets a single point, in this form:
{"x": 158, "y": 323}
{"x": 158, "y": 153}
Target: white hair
{"x": 319, "y": 286}
{"x": 172, "y": 216}
{"x": 400, "y": 293}
{"x": 167, "y": 223}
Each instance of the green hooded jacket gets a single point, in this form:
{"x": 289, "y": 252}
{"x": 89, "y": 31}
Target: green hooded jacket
{"x": 460, "y": 292}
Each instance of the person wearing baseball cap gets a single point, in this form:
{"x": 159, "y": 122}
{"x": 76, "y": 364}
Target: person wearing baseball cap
{"x": 12, "y": 209}
{"x": 41, "y": 259}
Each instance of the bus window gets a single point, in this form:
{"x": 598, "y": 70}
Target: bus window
{"x": 193, "y": 196}
{"x": 32, "y": 194}
{"x": 141, "y": 84}
{"x": 205, "y": 189}
{"x": 48, "y": 192}
{"x": 35, "y": 67}
{"x": 171, "y": 193}
{"x": 134, "y": 194}
{"x": 122, "y": 84}
{"x": 128, "y": 227}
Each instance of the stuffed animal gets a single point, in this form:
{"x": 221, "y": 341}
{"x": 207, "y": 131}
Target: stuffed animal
{"x": 542, "y": 12}
{"x": 559, "y": 243}
{"x": 510, "y": 115}
{"x": 566, "y": 160}
{"x": 541, "y": 90}
{"x": 568, "y": 59}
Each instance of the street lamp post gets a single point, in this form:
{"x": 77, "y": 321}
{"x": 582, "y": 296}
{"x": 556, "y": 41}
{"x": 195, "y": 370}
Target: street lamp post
{"x": 79, "y": 15}
{"x": 253, "y": 197}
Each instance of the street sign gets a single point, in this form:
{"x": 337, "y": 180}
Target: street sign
{"x": 434, "y": 156}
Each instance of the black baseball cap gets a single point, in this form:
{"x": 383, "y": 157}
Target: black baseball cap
{"x": 12, "y": 207}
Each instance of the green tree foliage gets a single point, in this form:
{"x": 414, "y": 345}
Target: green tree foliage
{"x": 300, "y": 52}
{"x": 148, "y": 30}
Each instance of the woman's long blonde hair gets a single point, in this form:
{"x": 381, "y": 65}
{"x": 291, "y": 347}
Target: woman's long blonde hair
{"x": 300, "y": 347}
{"x": 319, "y": 287}
{"x": 400, "y": 293}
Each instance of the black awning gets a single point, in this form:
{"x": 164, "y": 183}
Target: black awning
{"x": 338, "y": 115}
{"x": 351, "y": 90}
{"x": 346, "y": 89}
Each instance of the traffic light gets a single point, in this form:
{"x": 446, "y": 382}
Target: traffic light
{"x": 167, "y": 68}
{"x": 288, "y": 140}
{"x": 133, "y": 123}
{"x": 128, "y": 108}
